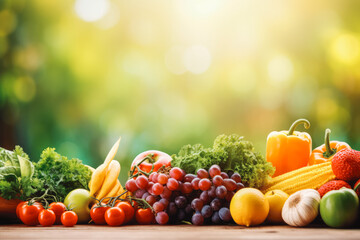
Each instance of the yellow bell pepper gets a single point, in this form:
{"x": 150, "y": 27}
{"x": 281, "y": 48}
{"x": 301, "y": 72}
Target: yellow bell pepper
{"x": 326, "y": 151}
{"x": 289, "y": 150}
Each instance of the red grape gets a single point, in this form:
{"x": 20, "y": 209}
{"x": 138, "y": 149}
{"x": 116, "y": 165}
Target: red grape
{"x": 151, "y": 176}
{"x": 204, "y": 184}
{"x": 195, "y": 183}
{"x": 162, "y": 218}
{"x": 212, "y": 192}
{"x": 139, "y": 193}
{"x": 165, "y": 202}
{"x": 204, "y": 196}
{"x": 229, "y": 195}
{"x": 197, "y": 219}
{"x": 157, "y": 189}
{"x": 224, "y": 175}
{"x": 162, "y": 178}
{"x": 145, "y": 195}
{"x": 217, "y": 180}
{"x": 230, "y": 184}
{"x": 186, "y": 188}
{"x": 202, "y": 173}
{"x": 236, "y": 177}
{"x": 149, "y": 187}
{"x": 154, "y": 178}
{"x": 151, "y": 199}
{"x": 177, "y": 173}
{"x": 142, "y": 182}
{"x": 215, "y": 204}
{"x": 221, "y": 192}
{"x": 158, "y": 207}
{"x": 131, "y": 185}
{"x": 197, "y": 204}
{"x": 214, "y": 170}
{"x": 172, "y": 184}
{"x": 189, "y": 177}
{"x": 239, "y": 186}
{"x": 166, "y": 193}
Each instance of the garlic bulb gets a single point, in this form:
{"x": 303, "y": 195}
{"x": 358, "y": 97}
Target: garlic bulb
{"x": 301, "y": 208}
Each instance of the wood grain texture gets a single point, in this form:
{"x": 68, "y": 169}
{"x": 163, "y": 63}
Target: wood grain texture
{"x": 173, "y": 232}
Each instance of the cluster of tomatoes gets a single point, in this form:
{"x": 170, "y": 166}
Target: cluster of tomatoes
{"x": 34, "y": 213}
{"x": 122, "y": 212}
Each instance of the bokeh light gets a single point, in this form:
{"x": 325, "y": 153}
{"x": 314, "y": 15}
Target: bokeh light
{"x": 91, "y": 10}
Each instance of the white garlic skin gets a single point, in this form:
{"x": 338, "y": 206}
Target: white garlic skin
{"x": 301, "y": 208}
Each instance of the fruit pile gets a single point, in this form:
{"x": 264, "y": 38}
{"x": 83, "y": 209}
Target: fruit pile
{"x": 177, "y": 197}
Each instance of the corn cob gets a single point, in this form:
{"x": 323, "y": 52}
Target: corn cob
{"x": 307, "y": 177}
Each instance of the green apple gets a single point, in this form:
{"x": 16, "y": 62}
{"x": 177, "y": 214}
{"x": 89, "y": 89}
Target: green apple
{"x": 79, "y": 200}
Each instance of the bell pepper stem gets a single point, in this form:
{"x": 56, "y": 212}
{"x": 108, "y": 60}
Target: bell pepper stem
{"x": 296, "y": 123}
{"x": 329, "y": 151}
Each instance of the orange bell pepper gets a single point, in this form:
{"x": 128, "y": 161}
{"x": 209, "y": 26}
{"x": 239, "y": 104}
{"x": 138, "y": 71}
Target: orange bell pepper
{"x": 326, "y": 151}
{"x": 289, "y": 150}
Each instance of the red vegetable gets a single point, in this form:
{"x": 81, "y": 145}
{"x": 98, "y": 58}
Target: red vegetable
{"x": 29, "y": 214}
{"x": 332, "y": 185}
{"x": 58, "y": 208}
{"x": 144, "y": 216}
{"x": 114, "y": 216}
{"x": 157, "y": 158}
{"x": 47, "y": 217}
{"x": 97, "y": 214}
{"x": 69, "y": 218}
{"x": 128, "y": 210}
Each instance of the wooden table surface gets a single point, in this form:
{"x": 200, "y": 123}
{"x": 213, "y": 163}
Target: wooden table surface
{"x": 157, "y": 232}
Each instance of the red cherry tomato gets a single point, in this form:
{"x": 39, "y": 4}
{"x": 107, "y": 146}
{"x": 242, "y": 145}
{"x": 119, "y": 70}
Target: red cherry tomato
{"x": 29, "y": 214}
{"x": 128, "y": 210}
{"x": 144, "y": 216}
{"x": 47, "y": 217}
{"x": 114, "y": 216}
{"x": 37, "y": 204}
{"x": 159, "y": 159}
{"x": 69, "y": 218}
{"x": 97, "y": 214}
{"x": 58, "y": 208}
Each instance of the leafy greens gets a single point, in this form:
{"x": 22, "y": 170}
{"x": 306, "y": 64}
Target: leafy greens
{"x": 230, "y": 152}
{"x": 21, "y": 178}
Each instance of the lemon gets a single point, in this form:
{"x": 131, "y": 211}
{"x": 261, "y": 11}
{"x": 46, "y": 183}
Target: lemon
{"x": 276, "y": 200}
{"x": 249, "y": 207}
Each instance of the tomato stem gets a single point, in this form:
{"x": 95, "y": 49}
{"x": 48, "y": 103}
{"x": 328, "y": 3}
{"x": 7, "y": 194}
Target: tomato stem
{"x": 116, "y": 198}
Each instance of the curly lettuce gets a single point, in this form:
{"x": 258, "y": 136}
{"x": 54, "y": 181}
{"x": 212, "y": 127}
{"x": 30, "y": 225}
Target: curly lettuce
{"x": 60, "y": 174}
{"x": 230, "y": 152}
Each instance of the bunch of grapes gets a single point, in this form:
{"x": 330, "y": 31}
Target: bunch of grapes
{"x": 176, "y": 197}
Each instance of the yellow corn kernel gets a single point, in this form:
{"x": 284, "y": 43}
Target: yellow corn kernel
{"x": 303, "y": 178}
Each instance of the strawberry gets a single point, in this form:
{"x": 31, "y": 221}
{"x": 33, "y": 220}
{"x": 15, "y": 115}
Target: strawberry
{"x": 346, "y": 165}
{"x": 332, "y": 185}
{"x": 357, "y": 187}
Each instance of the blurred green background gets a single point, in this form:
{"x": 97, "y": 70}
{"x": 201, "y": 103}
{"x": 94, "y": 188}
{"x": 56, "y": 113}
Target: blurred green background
{"x": 76, "y": 75}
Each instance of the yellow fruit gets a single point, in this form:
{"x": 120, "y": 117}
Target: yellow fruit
{"x": 276, "y": 200}
{"x": 249, "y": 207}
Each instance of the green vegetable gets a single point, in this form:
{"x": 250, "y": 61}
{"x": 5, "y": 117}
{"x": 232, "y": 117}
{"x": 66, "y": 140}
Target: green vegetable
{"x": 230, "y": 152}
{"x": 61, "y": 175}
{"x": 339, "y": 208}
{"x": 21, "y": 178}
{"x": 15, "y": 170}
